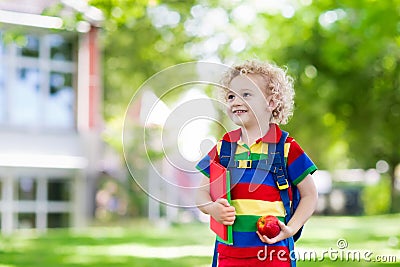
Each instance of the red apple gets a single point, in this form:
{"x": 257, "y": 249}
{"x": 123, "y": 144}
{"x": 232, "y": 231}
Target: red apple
{"x": 268, "y": 225}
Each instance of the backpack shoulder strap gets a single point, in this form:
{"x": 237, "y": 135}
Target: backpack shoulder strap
{"x": 279, "y": 172}
{"x": 281, "y": 178}
{"x": 227, "y": 153}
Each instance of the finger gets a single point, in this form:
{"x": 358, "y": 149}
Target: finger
{"x": 269, "y": 240}
{"x": 277, "y": 238}
{"x": 230, "y": 218}
{"x": 285, "y": 230}
{"x": 231, "y": 209}
{"x": 260, "y": 236}
{"x": 263, "y": 238}
{"x": 229, "y": 221}
{"x": 224, "y": 202}
{"x": 230, "y": 215}
{"x": 281, "y": 224}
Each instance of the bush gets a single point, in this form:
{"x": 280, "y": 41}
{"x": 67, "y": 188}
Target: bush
{"x": 376, "y": 198}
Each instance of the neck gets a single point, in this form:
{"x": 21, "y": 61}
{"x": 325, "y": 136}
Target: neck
{"x": 252, "y": 134}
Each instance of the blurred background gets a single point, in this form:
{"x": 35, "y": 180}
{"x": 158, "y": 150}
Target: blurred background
{"x": 69, "y": 70}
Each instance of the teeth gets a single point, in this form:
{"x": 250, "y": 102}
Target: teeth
{"x": 239, "y": 111}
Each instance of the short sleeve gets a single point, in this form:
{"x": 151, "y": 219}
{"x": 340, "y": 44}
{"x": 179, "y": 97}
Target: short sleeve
{"x": 299, "y": 165}
{"x": 204, "y": 164}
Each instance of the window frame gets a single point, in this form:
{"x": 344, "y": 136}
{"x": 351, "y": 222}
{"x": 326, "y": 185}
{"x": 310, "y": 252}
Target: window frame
{"x": 14, "y": 61}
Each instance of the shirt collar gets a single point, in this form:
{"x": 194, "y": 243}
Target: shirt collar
{"x": 272, "y": 136}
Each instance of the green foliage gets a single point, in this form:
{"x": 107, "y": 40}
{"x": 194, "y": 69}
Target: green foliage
{"x": 348, "y": 96}
{"x": 71, "y": 18}
{"x": 344, "y": 56}
{"x": 376, "y": 198}
{"x": 135, "y": 49}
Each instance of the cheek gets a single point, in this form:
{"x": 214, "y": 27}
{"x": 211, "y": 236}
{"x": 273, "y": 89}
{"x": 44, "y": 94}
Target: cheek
{"x": 260, "y": 109}
{"x": 228, "y": 112}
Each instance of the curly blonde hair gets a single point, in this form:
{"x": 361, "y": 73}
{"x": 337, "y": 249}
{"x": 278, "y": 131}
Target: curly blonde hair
{"x": 278, "y": 83}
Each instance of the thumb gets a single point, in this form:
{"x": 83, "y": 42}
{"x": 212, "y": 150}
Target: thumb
{"x": 281, "y": 224}
{"x": 223, "y": 201}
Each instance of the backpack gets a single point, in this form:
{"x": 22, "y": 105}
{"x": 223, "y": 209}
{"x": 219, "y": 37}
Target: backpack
{"x": 278, "y": 169}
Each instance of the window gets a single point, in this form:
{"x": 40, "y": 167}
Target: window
{"x": 57, "y": 220}
{"x": 59, "y": 190}
{"x": 39, "y": 89}
{"x": 60, "y": 108}
{"x": 27, "y": 188}
{"x": 39, "y": 201}
{"x": 60, "y": 48}
{"x": 26, "y": 220}
{"x": 30, "y": 48}
{"x": 25, "y": 98}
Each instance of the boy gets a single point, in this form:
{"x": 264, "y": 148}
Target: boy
{"x": 258, "y": 96}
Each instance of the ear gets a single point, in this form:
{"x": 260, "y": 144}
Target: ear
{"x": 272, "y": 103}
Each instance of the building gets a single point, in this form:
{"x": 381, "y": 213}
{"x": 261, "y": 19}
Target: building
{"x": 50, "y": 113}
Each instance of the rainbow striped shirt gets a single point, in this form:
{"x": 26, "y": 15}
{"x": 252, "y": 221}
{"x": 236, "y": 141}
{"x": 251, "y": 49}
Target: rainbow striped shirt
{"x": 252, "y": 201}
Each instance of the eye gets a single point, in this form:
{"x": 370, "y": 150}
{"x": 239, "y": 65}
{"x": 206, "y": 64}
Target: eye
{"x": 230, "y": 96}
{"x": 246, "y": 95}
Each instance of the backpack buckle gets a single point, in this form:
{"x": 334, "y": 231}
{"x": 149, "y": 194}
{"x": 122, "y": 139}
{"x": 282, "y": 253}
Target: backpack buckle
{"x": 244, "y": 164}
{"x": 282, "y": 184}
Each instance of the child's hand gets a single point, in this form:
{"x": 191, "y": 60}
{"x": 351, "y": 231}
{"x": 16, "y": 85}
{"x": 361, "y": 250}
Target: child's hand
{"x": 223, "y": 212}
{"x": 285, "y": 232}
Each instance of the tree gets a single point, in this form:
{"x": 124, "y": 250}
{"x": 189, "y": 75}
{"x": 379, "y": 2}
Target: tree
{"x": 354, "y": 52}
{"x": 344, "y": 55}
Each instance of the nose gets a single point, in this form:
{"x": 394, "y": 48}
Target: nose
{"x": 237, "y": 101}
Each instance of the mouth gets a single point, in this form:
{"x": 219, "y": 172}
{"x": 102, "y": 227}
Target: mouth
{"x": 239, "y": 111}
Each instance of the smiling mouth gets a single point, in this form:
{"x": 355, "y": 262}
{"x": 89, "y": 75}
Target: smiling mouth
{"x": 240, "y": 111}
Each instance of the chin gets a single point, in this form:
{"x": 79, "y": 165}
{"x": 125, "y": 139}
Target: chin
{"x": 238, "y": 122}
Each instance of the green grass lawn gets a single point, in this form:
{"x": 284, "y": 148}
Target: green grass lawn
{"x": 142, "y": 244}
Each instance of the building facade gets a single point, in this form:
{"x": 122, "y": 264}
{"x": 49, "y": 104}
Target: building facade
{"x": 50, "y": 114}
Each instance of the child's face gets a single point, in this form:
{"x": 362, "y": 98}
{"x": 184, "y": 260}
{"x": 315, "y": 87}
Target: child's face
{"x": 248, "y": 103}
